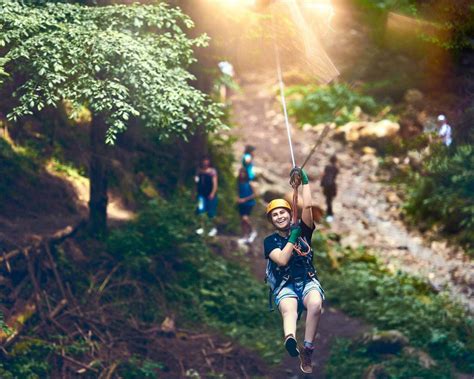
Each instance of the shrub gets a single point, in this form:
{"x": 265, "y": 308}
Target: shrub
{"x": 350, "y": 361}
{"x": 332, "y": 103}
{"x": 27, "y": 360}
{"x": 442, "y": 193}
{"x": 201, "y": 287}
{"x": 432, "y": 322}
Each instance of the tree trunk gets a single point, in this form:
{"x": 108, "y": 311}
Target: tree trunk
{"x": 98, "y": 178}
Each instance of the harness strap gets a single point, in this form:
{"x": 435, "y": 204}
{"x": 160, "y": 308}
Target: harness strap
{"x": 284, "y": 280}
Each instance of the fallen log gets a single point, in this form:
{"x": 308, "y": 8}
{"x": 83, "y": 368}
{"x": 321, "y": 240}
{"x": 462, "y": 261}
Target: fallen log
{"x": 17, "y": 321}
{"x": 56, "y": 237}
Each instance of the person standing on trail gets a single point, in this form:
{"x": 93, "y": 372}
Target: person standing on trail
{"x": 291, "y": 274}
{"x": 444, "y": 131}
{"x": 247, "y": 161}
{"x": 246, "y": 202}
{"x": 328, "y": 182}
{"x": 206, "y": 183}
{"x": 228, "y": 73}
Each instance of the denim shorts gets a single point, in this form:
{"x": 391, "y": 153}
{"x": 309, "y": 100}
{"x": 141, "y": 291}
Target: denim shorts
{"x": 206, "y": 205}
{"x": 299, "y": 290}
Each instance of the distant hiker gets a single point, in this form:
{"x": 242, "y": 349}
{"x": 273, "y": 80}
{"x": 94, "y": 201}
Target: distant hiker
{"x": 291, "y": 274}
{"x": 444, "y": 131}
{"x": 246, "y": 202}
{"x": 328, "y": 182}
{"x": 247, "y": 161}
{"x": 228, "y": 72}
{"x": 206, "y": 183}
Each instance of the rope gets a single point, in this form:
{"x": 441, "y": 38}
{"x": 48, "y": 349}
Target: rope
{"x": 295, "y": 181}
{"x": 282, "y": 95}
{"x": 318, "y": 142}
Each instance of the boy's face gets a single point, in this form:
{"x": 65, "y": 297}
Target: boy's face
{"x": 280, "y": 218}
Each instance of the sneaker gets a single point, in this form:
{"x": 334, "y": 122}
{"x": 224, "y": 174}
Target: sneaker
{"x": 252, "y": 237}
{"x": 212, "y": 232}
{"x": 242, "y": 241}
{"x": 329, "y": 219}
{"x": 305, "y": 358}
{"x": 291, "y": 345}
{"x": 200, "y": 231}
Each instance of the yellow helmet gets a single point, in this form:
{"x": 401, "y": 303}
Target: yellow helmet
{"x": 278, "y": 203}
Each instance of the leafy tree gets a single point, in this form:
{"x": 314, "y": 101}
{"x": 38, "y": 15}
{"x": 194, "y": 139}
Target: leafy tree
{"x": 122, "y": 62}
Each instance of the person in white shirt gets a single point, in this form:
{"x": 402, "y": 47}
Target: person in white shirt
{"x": 444, "y": 131}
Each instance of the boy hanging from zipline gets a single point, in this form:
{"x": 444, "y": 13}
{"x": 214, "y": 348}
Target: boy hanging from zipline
{"x": 290, "y": 271}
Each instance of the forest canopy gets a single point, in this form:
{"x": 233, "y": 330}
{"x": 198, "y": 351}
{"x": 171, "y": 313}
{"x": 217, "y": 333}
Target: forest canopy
{"x": 119, "y": 61}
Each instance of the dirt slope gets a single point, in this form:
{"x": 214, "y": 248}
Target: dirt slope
{"x": 367, "y": 212}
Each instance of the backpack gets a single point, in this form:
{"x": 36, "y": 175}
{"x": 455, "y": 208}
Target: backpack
{"x": 270, "y": 278}
{"x": 275, "y": 279}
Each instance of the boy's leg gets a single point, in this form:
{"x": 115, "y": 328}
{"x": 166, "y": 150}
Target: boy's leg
{"x": 313, "y": 303}
{"x": 289, "y": 312}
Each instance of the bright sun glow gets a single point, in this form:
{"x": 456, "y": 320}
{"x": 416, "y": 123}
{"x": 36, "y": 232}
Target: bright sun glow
{"x": 248, "y": 3}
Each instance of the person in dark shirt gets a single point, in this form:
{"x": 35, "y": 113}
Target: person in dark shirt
{"x": 206, "y": 183}
{"x": 328, "y": 182}
{"x": 290, "y": 257}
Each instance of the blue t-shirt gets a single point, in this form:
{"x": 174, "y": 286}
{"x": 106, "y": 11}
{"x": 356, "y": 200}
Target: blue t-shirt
{"x": 245, "y": 189}
{"x": 297, "y": 264}
{"x": 247, "y": 162}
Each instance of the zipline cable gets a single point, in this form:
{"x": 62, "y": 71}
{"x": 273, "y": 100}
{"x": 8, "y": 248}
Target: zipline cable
{"x": 282, "y": 95}
{"x": 318, "y": 142}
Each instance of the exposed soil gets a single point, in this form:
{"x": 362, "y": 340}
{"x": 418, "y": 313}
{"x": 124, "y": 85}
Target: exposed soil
{"x": 367, "y": 212}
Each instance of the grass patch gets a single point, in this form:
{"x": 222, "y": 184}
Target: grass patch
{"x": 338, "y": 103}
{"x": 199, "y": 286}
{"x": 350, "y": 361}
{"x": 362, "y": 287}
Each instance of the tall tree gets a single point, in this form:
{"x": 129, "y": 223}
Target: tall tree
{"x": 120, "y": 61}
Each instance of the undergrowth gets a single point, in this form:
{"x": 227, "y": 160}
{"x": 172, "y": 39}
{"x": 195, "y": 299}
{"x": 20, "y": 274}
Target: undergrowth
{"x": 362, "y": 287}
{"x": 331, "y": 103}
{"x": 199, "y": 286}
{"x": 350, "y": 361}
{"x": 441, "y": 194}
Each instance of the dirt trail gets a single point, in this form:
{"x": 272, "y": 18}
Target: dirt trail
{"x": 367, "y": 212}
{"x": 261, "y": 125}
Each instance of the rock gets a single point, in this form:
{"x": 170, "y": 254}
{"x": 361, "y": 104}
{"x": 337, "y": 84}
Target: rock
{"x": 424, "y": 358}
{"x": 381, "y": 129}
{"x": 392, "y": 197}
{"x": 384, "y": 342}
{"x": 168, "y": 327}
{"x": 415, "y": 159}
{"x": 414, "y": 97}
{"x": 367, "y": 131}
{"x": 375, "y": 372}
{"x": 369, "y": 150}
{"x": 307, "y": 127}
